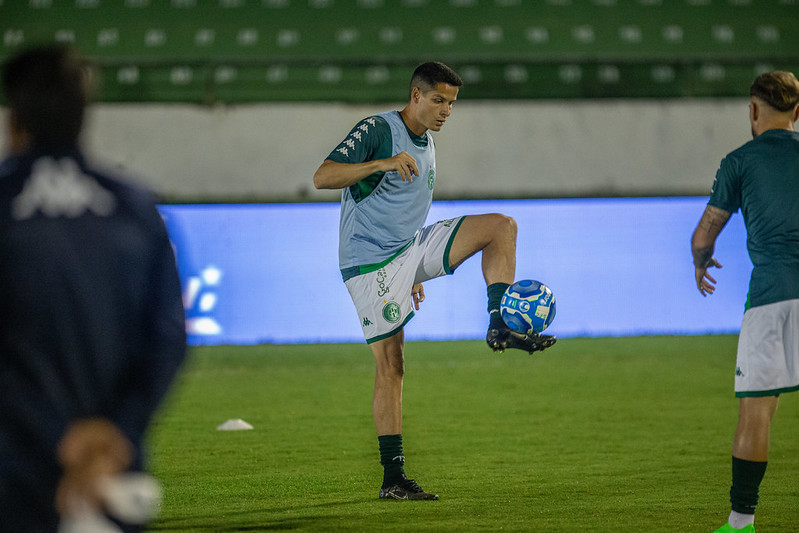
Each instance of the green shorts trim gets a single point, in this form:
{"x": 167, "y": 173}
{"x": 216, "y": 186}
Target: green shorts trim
{"x": 447, "y": 268}
{"x": 392, "y": 332}
{"x": 762, "y": 394}
{"x": 382, "y": 292}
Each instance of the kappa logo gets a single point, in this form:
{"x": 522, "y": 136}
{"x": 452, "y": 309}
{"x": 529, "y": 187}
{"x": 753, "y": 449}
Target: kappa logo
{"x": 366, "y": 321}
{"x": 60, "y": 188}
{"x": 739, "y": 372}
{"x": 357, "y": 133}
{"x": 391, "y": 312}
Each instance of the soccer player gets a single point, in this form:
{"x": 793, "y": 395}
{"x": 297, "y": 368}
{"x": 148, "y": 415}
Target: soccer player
{"x": 386, "y": 169}
{"x": 91, "y": 316}
{"x": 761, "y": 178}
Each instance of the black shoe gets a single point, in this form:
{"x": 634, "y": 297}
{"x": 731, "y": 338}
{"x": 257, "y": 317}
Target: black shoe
{"x": 502, "y": 338}
{"x": 405, "y": 489}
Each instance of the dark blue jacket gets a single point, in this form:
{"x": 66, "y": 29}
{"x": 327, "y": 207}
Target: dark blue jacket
{"x": 91, "y": 317}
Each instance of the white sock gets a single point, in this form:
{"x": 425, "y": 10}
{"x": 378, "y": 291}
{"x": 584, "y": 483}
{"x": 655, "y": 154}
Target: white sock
{"x": 739, "y": 521}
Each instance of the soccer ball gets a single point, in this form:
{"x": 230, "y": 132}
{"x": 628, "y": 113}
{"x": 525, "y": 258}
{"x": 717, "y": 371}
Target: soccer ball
{"x": 528, "y": 306}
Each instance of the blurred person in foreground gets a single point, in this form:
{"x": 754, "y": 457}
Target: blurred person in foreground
{"x": 91, "y": 319}
{"x": 761, "y": 178}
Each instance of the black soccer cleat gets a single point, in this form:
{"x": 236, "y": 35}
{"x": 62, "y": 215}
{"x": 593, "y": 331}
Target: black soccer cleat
{"x": 501, "y": 339}
{"x": 405, "y": 489}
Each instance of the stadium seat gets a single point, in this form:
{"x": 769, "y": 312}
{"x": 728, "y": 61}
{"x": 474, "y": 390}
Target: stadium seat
{"x": 298, "y": 50}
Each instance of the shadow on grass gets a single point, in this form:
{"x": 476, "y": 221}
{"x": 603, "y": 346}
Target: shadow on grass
{"x": 266, "y": 519}
{"x": 267, "y": 525}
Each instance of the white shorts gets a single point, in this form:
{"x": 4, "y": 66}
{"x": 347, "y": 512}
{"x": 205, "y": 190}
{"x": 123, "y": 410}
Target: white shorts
{"x": 768, "y": 350}
{"x": 382, "y": 296}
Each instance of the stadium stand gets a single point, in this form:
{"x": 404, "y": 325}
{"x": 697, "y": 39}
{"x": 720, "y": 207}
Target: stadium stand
{"x": 208, "y": 51}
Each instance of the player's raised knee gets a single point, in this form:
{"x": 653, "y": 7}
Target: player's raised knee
{"x": 505, "y": 224}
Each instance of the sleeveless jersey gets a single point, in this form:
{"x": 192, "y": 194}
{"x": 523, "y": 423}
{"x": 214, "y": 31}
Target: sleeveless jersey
{"x": 380, "y": 221}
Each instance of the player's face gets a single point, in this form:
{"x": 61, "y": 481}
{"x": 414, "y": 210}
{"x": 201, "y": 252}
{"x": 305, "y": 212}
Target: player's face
{"x": 435, "y": 106}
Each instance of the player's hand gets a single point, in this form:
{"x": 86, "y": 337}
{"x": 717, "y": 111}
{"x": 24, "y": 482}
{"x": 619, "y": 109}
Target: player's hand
{"x": 404, "y": 164}
{"x": 704, "y": 281}
{"x": 89, "y": 452}
{"x": 418, "y": 295}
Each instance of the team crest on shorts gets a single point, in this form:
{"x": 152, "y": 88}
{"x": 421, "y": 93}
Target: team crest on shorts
{"x": 391, "y": 312}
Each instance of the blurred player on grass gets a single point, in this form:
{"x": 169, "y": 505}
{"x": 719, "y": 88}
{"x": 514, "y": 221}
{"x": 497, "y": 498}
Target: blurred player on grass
{"x": 91, "y": 318}
{"x": 761, "y": 178}
{"x": 386, "y": 169}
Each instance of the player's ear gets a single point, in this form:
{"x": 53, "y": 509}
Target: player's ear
{"x": 416, "y": 94}
{"x": 754, "y": 110}
{"x": 796, "y": 113}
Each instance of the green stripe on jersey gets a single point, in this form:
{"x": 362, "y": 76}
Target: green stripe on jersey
{"x": 351, "y": 272}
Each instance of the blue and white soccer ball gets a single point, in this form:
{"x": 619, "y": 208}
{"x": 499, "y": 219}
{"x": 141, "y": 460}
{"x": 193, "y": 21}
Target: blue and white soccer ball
{"x": 528, "y": 306}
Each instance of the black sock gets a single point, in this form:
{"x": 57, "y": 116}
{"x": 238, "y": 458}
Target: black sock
{"x": 495, "y": 292}
{"x": 392, "y": 458}
{"x": 746, "y": 478}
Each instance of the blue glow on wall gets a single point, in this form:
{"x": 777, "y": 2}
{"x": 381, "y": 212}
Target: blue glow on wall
{"x": 269, "y": 273}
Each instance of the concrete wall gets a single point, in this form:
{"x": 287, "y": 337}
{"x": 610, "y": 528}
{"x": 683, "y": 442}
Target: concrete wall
{"x": 487, "y": 149}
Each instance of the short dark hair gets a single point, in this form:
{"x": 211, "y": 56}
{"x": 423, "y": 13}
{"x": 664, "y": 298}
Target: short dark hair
{"x": 778, "y": 88}
{"x": 47, "y": 89}
{"x": 428, "y": 75}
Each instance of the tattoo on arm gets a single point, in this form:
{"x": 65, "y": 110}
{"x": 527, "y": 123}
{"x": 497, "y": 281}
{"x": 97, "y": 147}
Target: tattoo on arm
{"x": 713, "y": 221}
{"x": 704, "y": 239}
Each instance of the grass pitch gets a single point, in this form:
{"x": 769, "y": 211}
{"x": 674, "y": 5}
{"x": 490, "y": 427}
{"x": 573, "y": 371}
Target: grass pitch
{"x": 616, "y": 434}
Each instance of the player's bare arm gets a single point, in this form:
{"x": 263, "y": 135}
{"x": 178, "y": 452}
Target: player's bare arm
{"x": 703, "y": 243}
{"x": 333, "y": 175}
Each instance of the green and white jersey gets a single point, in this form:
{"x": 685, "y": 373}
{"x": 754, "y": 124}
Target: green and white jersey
{"x": 381, "y": 214}
{"x": 762, "y": 179}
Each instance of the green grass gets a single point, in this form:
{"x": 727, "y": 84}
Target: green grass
{"x": 630, "y": 434}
